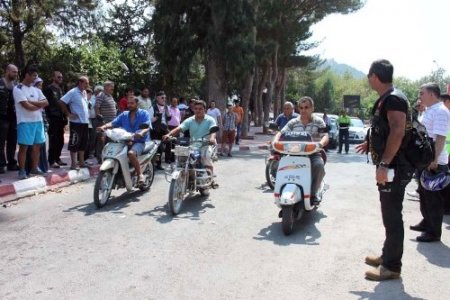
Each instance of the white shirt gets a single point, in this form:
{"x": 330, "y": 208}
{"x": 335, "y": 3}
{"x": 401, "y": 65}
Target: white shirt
{"x": 144, "y": 103}
{"x": 24, "y": 93}
{"x": 215, "y": 113}
{"x": 436, "y": 120}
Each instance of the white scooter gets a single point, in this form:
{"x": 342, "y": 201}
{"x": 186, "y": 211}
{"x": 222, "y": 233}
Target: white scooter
{"x": 293, "y": 181}
{"x": 116, "y": 171}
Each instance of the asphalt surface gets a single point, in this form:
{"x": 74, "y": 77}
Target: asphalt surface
{"x": 227, "y": 246}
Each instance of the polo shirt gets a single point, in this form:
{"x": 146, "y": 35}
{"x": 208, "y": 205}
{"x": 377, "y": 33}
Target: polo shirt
{"x": 123, "y": 121}
{"x": 436, "y": 120}
{"x": 316, "y": 128}
{"x": 78, "y": 104}
{"x": 282, "y": 119}
{"x": 197, "y": 130}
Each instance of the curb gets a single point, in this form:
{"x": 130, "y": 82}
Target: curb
{"x": 39, "y": 184}
{"x": 253, "y": 147}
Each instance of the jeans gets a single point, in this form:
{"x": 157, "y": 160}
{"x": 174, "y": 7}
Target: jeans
{"x": 317, "y": 172}
{"x": 343, "y": 134}
{"x": 238, "y": 133}
{"x": 391, "y": 198}
{"x": 432, "y": 208}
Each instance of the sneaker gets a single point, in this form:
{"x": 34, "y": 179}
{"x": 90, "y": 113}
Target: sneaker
{"x": 374, "y": 261}
{"x": 381, "y": 273}
{"x": 22, "y": 174}
{"x": 61, "y": 163}
{"x": 55, "y": 165}
{"x": 36, "y": 171}
{"x": 141, "y": 179}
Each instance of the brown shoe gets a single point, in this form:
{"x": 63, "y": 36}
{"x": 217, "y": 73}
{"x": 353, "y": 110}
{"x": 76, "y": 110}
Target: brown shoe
{"x": 381, "y": 273}
{"x": 374, "y": 261}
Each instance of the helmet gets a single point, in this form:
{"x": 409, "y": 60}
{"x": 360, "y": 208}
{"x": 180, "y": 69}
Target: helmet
{"x": 432, "y": 181}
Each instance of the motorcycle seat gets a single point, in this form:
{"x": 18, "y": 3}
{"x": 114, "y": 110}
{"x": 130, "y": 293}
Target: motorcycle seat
{"x": 148, "y": 147}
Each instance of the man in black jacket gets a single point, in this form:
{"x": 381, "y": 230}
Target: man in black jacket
{"x": 8, "y": 121}
{"x": 56, "y": 119}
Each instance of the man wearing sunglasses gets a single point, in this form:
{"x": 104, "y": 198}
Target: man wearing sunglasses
{"x": 316, "y": 127}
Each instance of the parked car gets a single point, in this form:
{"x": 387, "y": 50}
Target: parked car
{"x": 333, "y": 130}
{"x": 357, "y": 130}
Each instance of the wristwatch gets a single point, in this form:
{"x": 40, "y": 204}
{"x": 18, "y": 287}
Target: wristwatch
{"x": 383, "y": 164}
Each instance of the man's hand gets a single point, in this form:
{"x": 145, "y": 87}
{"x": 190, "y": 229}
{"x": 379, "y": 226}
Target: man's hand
{"x": 138, "y": 135}
{"x": 72, "y": 116}
{"x": 433, "y": 166}
{"x": 166, "y": 137}
{"x": 381, "y": 175}
{"x": 362, "y": 148}
{"x": 212, "y": 141}
{"x": 100, "y": 129}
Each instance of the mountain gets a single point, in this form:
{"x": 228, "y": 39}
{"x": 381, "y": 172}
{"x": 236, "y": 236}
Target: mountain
{"x": 341, "y": 69}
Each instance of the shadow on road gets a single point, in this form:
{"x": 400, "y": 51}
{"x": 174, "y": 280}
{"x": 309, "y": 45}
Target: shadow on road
{"x": 191, "y": 209}
{"x": 114, "y": 205}
{"x": 393, "y": 289}
{"x": 436, "y": 253}
{"x": 305, "y": 231}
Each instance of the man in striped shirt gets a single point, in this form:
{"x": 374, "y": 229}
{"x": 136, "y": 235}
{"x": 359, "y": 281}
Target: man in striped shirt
{"x": 229, "y": 129}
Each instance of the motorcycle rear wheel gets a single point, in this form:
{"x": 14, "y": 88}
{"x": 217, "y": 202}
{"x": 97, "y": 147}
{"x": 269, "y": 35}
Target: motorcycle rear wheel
{"x": 271, "y": 173}
{"x": 177, "y": 193}
{"x": 150, "y": 175}
{"x": 102, "y": 188}
{"x": 287, "y": 219}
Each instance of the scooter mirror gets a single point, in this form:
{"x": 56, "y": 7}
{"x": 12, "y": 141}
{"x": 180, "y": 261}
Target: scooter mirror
{"x": 214, "y": 129}
{"x": 273, "y": 126}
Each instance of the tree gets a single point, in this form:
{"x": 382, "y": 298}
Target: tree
{"x": 21, "y": 18}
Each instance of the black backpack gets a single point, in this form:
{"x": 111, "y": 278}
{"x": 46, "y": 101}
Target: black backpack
{"x": 417, "y": 147}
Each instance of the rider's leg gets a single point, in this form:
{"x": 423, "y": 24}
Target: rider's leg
{"x": 133, "y": 153}
{"x": 317, "y": 173}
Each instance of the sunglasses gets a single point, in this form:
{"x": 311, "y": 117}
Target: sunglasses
{"x": 304, "y": 107}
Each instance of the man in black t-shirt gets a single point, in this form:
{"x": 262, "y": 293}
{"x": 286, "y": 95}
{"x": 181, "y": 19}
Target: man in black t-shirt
{"x": 389, "y": 116}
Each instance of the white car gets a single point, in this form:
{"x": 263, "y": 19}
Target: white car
{"x": 357, "y": 131}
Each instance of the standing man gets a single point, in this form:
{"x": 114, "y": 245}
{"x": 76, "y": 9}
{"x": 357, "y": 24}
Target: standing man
{"x": 56, "y": 119}
{"x": 446, "y": 99}
{"x": 229, "y": 130}
{"x": 160, "y": 116}
{"x": 389, "y": 116}
{"x": 8, "y": 120}
{"x": 76, "y": 101}
{"x": 287, "y": 114}
{"x": 240, "y": 113}
{"x": 144, "y": 100}
{"x": 106, "y": 111}
{"x": 344, "y": 124}
{"x": 30, "y": 126}
{"x": 173, "y": 123}
{"x": 436, "y": 120}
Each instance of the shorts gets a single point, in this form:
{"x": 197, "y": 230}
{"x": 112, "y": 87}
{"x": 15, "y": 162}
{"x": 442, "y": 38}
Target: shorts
{"x": 30, "y": 133}
{"x": 206, "y": 153}
{"x": 228, "y": 136}
{"x": 138, "y": 148}
{"x": 79, "y": 137}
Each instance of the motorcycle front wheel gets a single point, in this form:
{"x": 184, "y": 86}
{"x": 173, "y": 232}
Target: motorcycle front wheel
{"x": 102, "y": 188}
{"x": 271, "y": 172}
{"x": 149, "y": 173}
{"x": 287, "y": 219}
{"x": 177, "y": 193}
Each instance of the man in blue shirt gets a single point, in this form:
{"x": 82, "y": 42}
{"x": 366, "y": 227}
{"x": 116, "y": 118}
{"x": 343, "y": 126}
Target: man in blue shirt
{"x": 131, "y": 121}
{"x": 78, "y": 116}
{"x": 287, "y": 115}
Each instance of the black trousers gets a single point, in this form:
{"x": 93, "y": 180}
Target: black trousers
{"x": 169, "y": 156}
{"x": 55, "y": 139}
{"x": 432, "y": 208}
{"x": 8, "y": 142}
{"x": 391, "y": 199}
{"x": 343, "y": 134}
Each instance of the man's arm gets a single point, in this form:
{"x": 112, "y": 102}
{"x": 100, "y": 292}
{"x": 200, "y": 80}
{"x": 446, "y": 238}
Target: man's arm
{"x": 439, "y": 145}
{"x": 171, "y": 133}
{"x": 397, "y": 124}
{"x": 40, "y": 104}
{"x": 28, "y": 106}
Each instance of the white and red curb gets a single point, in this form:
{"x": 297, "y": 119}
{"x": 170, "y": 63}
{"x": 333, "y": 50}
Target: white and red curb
{"x": 39, "y": 184}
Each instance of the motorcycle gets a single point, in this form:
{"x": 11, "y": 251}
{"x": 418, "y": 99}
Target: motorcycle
{"x": 189, "y": 175}
{"x": 293, "y": 181}
{"x": 116, "y": 172}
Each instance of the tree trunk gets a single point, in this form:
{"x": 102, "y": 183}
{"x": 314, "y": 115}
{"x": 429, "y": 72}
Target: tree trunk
{"x": 216, "y": 83}
{"x": 245, "y": 96}
{"x": 19, "y": 53}
{"x": 261, "y": 91}
{"x": 279, "y": 92}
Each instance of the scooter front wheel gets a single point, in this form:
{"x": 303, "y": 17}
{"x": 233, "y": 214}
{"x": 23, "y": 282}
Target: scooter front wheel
{"x": 271, "y": 172}
{"x": 103, "y": 187}
{"x": 177, "y": 193}
{"x": 287, "y": 219}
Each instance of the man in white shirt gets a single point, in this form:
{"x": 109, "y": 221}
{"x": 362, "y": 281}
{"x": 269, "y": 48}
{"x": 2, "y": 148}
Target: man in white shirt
{"x": 30, "y": 126}
{"x": 144, "y": 101}
{"x": 436, "y": 119}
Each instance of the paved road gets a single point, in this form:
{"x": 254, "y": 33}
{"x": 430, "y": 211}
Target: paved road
{"x": 229, "y": 246}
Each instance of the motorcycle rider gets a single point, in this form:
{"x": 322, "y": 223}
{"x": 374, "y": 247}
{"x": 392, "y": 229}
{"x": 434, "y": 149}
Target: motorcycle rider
{"x": 131, "y": 121}
{"x": 316, "y": 127}
{"x": 198, "y": 126}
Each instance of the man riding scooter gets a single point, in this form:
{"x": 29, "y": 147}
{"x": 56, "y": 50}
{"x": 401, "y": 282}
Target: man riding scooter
{"x": 198, "y": 125}
{"x": 132, "y": 121}
{"x": 317, "y": 128}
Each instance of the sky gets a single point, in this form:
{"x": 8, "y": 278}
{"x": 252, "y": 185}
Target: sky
{"x": 413, "y": 35}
